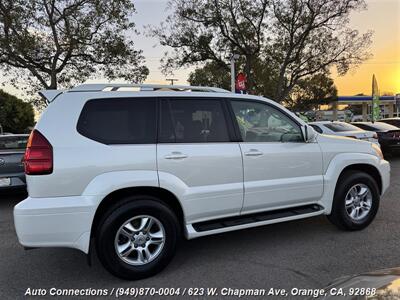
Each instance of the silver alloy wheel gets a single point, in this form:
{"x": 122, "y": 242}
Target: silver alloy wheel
{"x": 358, "y": 201}
{"x": 140, "y": 240}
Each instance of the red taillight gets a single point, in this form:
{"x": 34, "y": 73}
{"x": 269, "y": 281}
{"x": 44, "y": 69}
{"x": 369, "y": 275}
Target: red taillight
{"x": 38, "y": 159}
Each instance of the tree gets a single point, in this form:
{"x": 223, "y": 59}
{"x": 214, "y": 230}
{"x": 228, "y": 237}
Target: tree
{"x": 15, "y": 115}
{"x": 57, "y": 43}
{"x": 210, "y": 75}
{"x": 205, "y": 30}
{"x": 311, "y": 92}
{"x": 296, "y": 39}
{"x": 312, "y": 36}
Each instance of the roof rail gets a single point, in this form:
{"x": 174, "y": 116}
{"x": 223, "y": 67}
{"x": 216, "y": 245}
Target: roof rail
{"x": 144, "y": 87}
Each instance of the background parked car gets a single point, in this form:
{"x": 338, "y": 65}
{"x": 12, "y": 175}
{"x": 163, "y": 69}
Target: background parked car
{"x": 12, "y": 149}
{"x": 388, "y": 135}
{"x": 344, "y": 129}
{"x": 391, "y": 121}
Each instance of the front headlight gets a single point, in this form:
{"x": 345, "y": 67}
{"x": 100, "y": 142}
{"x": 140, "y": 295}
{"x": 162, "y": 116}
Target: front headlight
{"x": 377, "y": 150}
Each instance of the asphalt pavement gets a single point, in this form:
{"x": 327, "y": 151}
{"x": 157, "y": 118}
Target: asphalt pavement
{"x": 301, "y": 254}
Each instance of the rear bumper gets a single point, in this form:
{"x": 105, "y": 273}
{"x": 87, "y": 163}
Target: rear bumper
{"x": 55, "y": 222}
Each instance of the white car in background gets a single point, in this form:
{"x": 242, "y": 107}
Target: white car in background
{"x": 344, "y": 129}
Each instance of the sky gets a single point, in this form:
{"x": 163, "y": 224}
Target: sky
{"x": 381, "y": 16}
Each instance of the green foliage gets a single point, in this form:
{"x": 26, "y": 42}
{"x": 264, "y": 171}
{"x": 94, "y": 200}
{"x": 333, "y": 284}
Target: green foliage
{"x": 218, "y": 75}
{"x": 15, "y": 115}
{"x": 212, "y": 74}
{"x": 311, "y": 92}
{"x": 50, "y": 44}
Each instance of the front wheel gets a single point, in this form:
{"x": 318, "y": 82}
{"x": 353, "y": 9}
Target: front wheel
{"x": 137, "y": 238}
{"x": 355, "y": 202}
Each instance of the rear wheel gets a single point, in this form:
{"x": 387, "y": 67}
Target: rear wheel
{"x": 355, "y": 202}
{"x": 137, "y": 237}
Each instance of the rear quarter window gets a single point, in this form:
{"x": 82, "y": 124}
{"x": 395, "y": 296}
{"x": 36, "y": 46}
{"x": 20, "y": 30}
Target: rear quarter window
{"x": 119, "y": 121}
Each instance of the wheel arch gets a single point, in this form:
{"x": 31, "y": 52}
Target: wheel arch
{"x": 164, "y": 195}
{"x": 366, "y": 168}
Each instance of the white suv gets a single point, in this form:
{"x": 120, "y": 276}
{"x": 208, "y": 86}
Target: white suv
{"x": 131, "y": 167}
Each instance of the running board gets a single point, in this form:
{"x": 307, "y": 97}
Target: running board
{"x": 226, "y": 223}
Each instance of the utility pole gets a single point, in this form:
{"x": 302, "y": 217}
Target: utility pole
{"x": 233, "y": 58}
{"x": 171, "y": 80}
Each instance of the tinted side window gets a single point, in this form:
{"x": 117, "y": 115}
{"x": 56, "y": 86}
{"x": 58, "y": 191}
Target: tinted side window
{"x": 119, "y": 121}
{"x": 392, "y": 122}
{"x": 365, "y": 127}
{"x": 260, "y": 122}
{"x": 192, "y": 121}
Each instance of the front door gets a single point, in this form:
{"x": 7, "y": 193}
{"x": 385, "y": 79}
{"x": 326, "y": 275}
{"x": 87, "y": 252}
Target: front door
{"x": 280, "y": 168}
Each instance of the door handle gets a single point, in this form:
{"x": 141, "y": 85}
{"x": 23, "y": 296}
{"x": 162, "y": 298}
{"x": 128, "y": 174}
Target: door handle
{"x": 176, "y": 155}
{"x": 253, "y": 152}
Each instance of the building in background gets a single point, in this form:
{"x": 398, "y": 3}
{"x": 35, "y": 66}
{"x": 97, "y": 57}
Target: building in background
{"x": 389, "y": 105}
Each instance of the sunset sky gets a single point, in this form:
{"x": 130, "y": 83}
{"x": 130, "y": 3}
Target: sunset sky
{"x": 382, "y": 16}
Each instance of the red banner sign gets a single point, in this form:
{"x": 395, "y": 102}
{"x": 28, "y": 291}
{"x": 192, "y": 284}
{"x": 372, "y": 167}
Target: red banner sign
{"x": 240, "y": 84}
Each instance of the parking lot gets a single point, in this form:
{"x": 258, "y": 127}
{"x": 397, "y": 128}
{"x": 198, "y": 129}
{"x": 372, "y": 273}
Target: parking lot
{"x": 304, "y": 254}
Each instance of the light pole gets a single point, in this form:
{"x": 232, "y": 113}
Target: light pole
{"x": 233, "y": 58}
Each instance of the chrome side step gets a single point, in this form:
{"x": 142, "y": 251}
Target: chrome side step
{"x": 253, "y": 219}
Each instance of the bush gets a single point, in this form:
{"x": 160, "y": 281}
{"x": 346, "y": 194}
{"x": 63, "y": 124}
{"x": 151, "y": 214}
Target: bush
{"x": 16, "y": 116}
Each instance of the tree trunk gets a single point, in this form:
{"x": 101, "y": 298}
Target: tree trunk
{"x": 249, "y": 75}
{"x": 53, "y": 81}
{"x": 278, "y": 97}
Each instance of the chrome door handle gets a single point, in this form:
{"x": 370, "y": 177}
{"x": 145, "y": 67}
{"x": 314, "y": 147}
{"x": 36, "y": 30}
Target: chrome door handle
{"x": 253, "y": 152}
{"x": 176, "y": 155}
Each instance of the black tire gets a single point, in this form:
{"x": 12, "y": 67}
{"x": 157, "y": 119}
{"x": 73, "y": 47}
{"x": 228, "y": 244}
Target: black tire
{"x": 116, "y": 216}
{"x": 339, "y": 216}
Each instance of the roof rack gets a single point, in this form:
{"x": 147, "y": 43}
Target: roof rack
{"x": 110, "y": 87}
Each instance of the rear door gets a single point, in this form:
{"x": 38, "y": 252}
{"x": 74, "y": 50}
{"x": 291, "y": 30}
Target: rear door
{"x": 197, "y": 158}
{"x": 280, "y": 169}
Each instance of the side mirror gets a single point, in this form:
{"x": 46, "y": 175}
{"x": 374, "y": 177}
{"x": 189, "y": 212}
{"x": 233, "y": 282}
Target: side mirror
{"x": 309, "y": 134}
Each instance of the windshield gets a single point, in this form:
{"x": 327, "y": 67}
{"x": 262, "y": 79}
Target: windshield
{"x": 13, "y": 142}
{"x": 339, "y": 127}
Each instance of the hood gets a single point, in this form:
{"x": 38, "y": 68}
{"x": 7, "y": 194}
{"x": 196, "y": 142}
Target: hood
{"x": 343, "y": 140}
{"x": 386, "y": 282}
{"x": 333, "y": 144}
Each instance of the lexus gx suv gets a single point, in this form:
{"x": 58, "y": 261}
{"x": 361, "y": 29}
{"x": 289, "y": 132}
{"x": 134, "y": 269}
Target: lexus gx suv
{"x": 126, "y": 170}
